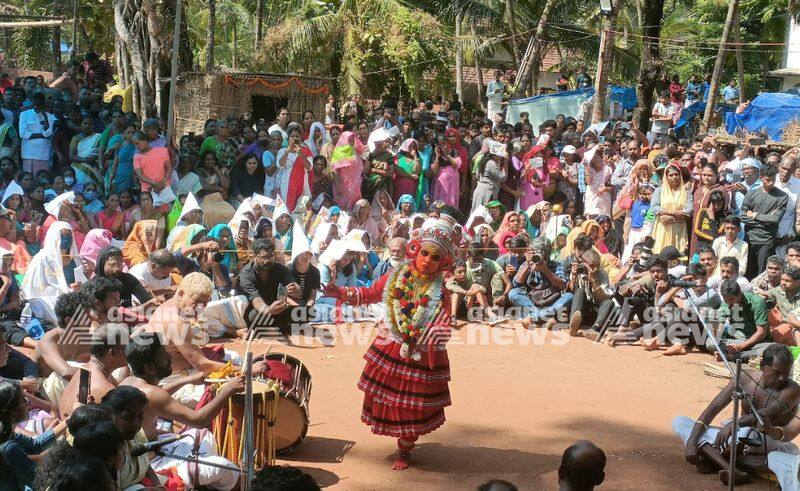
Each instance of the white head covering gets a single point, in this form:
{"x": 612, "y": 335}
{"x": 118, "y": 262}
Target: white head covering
{"x": 316, "y": 126}
{"x": 480, "y": 211}
{"x": 189, "y": 205}
{"x": 54, "y": 206}
{"x": 300, "y": 242}
{"x": 45, "y": 274}
{"x": 320, "y": 236}
{"x": 280, "y": 209}
{"x": 240, "y": 215}
{"x": 12, "y": 189}
{"x": 379, "y": 135}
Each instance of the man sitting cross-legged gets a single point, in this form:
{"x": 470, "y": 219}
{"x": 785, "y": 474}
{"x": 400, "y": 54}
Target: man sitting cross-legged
{"x": 775, "y": 395}
{"x": 150, "y": 362}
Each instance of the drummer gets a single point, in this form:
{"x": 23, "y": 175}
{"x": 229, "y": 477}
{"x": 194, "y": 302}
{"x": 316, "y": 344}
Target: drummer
{"x": 150, "y": 362}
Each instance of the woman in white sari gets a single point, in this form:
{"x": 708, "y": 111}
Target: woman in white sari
{"x": 51, "y": 272}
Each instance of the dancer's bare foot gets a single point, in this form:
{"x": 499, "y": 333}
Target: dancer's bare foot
{"x": 739, "y": 477}
{"x": 549, "y": 324}
{"x": 575, "y": 321}
{"x": 402, "y": 462}
{"x": 676, "y": 349}
{"x": 650, "y": 344}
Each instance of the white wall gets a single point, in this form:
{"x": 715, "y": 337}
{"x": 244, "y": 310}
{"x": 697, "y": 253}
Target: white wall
{"x": 791, "y": 52}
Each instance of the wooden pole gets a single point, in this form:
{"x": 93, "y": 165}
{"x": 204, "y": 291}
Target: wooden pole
{"x": 176, "y": 35}
{"x": 604, "y": 60}
{"x": 459, "y": 61}
{"x": 34, "y": 23}
{"x": 74, "y": 46}
{"x": 478, "y": 74}
{"x": 259, "y": 22}
{"x": 738, "y": 50}
{"x": 719, "y": 65}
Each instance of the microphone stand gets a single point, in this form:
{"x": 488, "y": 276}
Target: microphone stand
{"x": 738, "y": 393}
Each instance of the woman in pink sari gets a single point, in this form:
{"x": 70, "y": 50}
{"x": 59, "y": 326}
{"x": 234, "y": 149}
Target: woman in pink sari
{"x": 112, "y": 218}
{"x": 347, "y": 167}
{"x": 535, "y": 176}
{"x": 450, "y": 160}
{"x": 96, "y": 239}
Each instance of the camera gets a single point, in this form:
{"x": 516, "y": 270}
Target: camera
{"x": 581, "y": 269}
{"x": 218, "y": 257}
{"x": 536, "y": 258}
{"x": 673, "y": 282}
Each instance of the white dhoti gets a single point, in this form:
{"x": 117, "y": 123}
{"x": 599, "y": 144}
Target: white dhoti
{"x": 634, "y": 237}
{"x": 786, "y": 467}
{"x": 683, "y": 426}
{"x": 223, "y": 314}
{"x": 493, "y": 108}
{"x": 189, "y": 394}
{"x": 194, "y": 475}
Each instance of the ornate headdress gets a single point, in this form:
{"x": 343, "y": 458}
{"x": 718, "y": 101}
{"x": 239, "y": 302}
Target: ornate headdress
{"x": 438, "y": 235}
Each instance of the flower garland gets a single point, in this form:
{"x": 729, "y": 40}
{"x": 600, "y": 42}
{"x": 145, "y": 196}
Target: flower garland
{"x": 412, "y": 306}
{"x": 321, "y": 90}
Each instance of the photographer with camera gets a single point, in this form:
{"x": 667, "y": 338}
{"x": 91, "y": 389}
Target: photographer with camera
{"x": 592, "y": 298}
{"x": 204, "y": 257}
{"x": 537, "y": 287}
{"x": 688, "y": 332}
{"x": 782, "y": 302}
{"x": 637, "y": 296}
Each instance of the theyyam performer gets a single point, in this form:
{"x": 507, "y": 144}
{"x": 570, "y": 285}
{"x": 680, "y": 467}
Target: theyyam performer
{"x": 407, "y": 370}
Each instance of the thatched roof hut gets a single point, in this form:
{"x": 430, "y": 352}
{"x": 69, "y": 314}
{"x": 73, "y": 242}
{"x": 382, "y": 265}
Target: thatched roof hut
{"x": 201, "y": 96}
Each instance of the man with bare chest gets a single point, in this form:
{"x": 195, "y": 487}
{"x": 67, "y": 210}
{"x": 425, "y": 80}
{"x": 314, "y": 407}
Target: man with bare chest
{"x": 775, "y": 397}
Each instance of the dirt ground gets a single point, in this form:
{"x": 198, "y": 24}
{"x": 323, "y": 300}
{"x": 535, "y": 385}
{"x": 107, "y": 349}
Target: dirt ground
{"x": 518, "y": 402}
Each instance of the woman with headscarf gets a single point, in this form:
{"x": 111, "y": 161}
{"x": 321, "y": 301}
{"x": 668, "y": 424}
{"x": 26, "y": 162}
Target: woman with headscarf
{"x": 383, "y": 210}
{"x": 710, "y": 205}
{"x": 380, "y": 168}
{"x": 483, "y": 236}
{"x": 425, "y": 154}
{"x": 597, "y": 199}
{"x": 264, "y": 230}
{"x": 612, "y": 239}
{"x": 334, "y": 132}
{"x": 591, "y": 229}
{"x": 672, "y": 207}
{"x": 187, "y": 236}
{"x": 140, "y": 242}
{"x": 407, "y": 172}
{"x": 511, "y": 225}
{"x": 313, "y": 143}
{"x": 536, "y": 174}
{"x": 497, "y": 211}
{"x": 347, "y": 167}
{"x": 95, "y": 240}
{"x": 110, "y": 265}
{"x": 247, "y": 178}
{"x": 362, "y": 213}
{"x": 51, "y": 271}
{"x": 223, "y": 235}
{"x": 449, "y": 162}
{"x": 295, "y": 171}
{"x": 406, "y": 206}
{"x": 492, "y": 171}
{"x": 640, "y": 174}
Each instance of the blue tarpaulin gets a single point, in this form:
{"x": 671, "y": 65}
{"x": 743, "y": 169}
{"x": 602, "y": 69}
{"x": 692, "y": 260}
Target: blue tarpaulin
{"x": 544, "y": 107}
{"x": 770, "y": 112}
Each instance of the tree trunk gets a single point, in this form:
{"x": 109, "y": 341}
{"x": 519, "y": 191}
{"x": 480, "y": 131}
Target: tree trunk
{"x": 719, "y": 65}
{"x": 512, "y": 29}
{"x": 530, "y": 61}
{"x": 604, "y": 62}
{"x": 259, "y": 22}
{"x": 459, "y": 61}
{"x": 235, "y": 58}
{"x": 651, "y": 63}
{"x": 478, "y": 73}
{"x": 57, "y": 41}
{"x": 739, "y": 60}
{"x": 131, "y": 30}
{"x": 212, "y": 23}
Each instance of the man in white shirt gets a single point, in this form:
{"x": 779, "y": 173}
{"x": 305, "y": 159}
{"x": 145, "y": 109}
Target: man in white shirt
{"x": 790, "y": 185}
{"x": 662, "y": 117}
{"x": 154, "y": 274}
{"x": 730, "y": 245}
{"x": 36, "y": 131}
{"x": 494, "y": 94}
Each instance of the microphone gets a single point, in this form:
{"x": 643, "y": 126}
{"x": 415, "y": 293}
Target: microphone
{"x": 138, "y": 450}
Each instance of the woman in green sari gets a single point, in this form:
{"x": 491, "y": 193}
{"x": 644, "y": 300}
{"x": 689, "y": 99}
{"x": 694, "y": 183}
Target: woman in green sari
{"x": 406, "y": 178}
{"x": 379, "y": 170}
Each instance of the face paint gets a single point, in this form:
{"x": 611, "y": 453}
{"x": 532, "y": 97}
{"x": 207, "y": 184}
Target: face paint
{"x": 428, "y": 260}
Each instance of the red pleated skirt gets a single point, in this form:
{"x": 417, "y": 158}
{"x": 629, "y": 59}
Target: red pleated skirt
{"x": 404, "y": 398}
